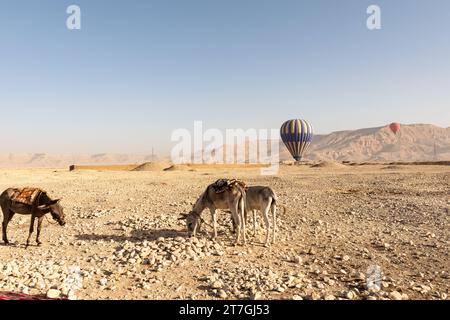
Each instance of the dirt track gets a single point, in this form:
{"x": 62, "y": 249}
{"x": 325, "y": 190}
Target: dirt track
{"x": 124, "y": 234}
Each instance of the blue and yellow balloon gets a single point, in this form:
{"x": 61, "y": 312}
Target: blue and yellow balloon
{"x": 297, "y": 135}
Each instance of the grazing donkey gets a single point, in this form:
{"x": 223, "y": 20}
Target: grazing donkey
{"x": 263, "y": 199}
{"x": 223, "y": 194}
{"x": 29, "y": 201}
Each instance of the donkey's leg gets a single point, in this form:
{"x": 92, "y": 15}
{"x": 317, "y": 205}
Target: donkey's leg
{"x": 4, "y": 238}
{"x": 11, "y": 215}
{"x": 265, "y": 212}
{"x": 254, "y": 223}
{"x": 237, "y": 219}
{"x": 38, "y": 232}
{"x": 243, "y": 222}
{"x": 31, "y": 230}
{"x": 233, "y": 223}
{"x": 7, "y": 216}
{"x": 274, "y": 220}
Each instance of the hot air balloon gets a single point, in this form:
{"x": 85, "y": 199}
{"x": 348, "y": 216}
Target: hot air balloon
{"x": 395, "y": 127}
{"x": 296, "y": 135}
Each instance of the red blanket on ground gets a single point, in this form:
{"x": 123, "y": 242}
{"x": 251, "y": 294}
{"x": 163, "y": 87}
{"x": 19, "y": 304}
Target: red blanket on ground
{"x": 21, "y": 296}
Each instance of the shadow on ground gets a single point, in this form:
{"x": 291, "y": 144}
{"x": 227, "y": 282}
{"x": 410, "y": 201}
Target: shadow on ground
{"x": 135, "y": 236}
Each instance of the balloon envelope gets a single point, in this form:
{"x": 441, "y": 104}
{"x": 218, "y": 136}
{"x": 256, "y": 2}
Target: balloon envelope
{"x": 395, "y": 127}
{"x": 297, "y": 135}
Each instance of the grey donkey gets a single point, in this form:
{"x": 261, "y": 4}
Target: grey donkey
{"x": 231, "y": 197}
{"x": 265, "y": 200}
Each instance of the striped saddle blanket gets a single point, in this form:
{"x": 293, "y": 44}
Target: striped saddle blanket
{"x": 26, "y": 195}
{"x": 226, "y": 184}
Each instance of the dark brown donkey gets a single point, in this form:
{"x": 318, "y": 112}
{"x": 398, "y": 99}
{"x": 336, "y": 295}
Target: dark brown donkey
{"x": 31, "y": 201}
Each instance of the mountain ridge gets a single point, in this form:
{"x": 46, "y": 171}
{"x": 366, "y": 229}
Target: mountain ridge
{"x": 414, "y": 142}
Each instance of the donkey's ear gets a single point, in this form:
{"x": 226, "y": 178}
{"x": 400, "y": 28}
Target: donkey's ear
{"x": 53, "y": 202}
{"x": 183, "y": 216}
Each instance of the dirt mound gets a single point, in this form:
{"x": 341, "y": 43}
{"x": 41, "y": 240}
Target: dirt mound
{"x": 328, "y": 164}
{"x": 179, "y": 167}
{"x": 151, "y": 166}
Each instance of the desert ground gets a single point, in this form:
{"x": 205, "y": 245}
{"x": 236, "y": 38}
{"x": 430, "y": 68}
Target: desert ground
{"x": 341, "y": 222}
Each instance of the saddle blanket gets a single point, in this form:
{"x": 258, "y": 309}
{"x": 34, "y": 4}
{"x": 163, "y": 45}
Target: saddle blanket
{"x": 26, "y": 195}
{"x": 225, "y": 184}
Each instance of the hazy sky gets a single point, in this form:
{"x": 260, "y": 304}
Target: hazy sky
{"x": 137, "y": 70}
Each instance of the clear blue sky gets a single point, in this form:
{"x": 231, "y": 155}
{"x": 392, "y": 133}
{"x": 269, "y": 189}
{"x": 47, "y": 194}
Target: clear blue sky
{"x": 139, "y": 69}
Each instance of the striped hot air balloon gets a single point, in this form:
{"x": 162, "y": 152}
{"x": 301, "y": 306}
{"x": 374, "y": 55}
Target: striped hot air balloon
{"x": 395, "y": 127}
{"x": 297, "y": 135}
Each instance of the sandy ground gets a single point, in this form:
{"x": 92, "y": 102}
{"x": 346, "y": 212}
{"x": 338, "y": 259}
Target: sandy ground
{"x": 124, "y": 234}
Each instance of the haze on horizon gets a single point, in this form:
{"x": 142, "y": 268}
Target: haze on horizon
{"x": 137, "y": 70}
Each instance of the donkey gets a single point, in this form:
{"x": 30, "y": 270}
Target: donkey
{"x": 232, "y": 197}
{"x": 263, "y": 199}
{"x": 38, "y": 209}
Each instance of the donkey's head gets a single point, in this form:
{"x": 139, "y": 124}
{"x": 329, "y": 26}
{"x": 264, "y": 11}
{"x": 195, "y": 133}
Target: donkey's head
{"x": 56, "y": 210}
{"x": 193, "y": 222}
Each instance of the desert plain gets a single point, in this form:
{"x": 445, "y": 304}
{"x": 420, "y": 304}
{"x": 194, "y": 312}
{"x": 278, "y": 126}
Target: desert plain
{"x": 349, "y": 232}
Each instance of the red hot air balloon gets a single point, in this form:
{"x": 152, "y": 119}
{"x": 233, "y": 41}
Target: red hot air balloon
{"x": 395, "y": 127}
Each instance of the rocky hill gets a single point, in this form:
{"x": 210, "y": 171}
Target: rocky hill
{"x": 414, "y": 142}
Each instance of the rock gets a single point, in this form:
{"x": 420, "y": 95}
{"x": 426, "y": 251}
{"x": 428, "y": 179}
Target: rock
{"x": 330, "y": 297}
{"x": 312, "y": 251}
{"x": 71, "y": 295}
{"x": 256, "y": 296}
{"x": 345, "y": 258}
{"x": 374, "y": 288}
{"x": 217, "y": 284}
{"x": 103, "y": 282}
{"x": 360, "y": 276}
{"x": 395, "y": 295}
{"x": 350, "y": 295}
{"x": 425, "y": 288}
{"x": 320, "y": 285}
{"x": 223, "y": 294}
{"x": 298, "y": 260}
{"x": 53, "y": 293}
{"x": 297, "y": 297}
{"x": 315, "y": 296}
